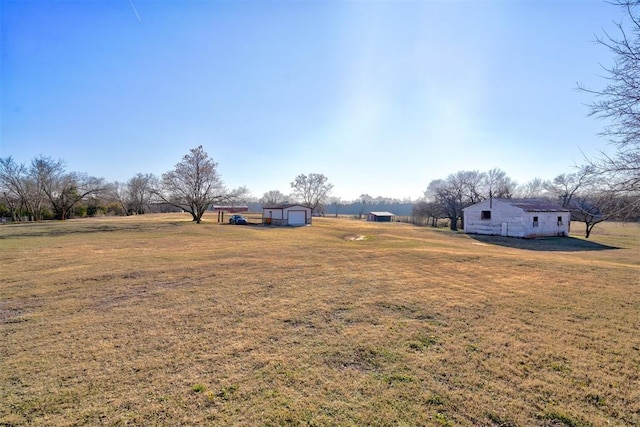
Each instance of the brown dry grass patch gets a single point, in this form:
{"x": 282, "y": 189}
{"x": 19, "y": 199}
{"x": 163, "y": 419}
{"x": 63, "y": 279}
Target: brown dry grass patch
{"x": 154, "y": 320}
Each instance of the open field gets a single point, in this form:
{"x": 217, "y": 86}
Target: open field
{"x": 154, "y": 320}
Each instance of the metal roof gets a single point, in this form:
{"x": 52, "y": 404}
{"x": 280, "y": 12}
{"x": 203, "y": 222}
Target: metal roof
{"x": 529, "y": 205}
{"x": 535, "y": 205}
{"x": 382, "y": 213}
{"x": 284, "y": 206}
{"x": 532, "y": 205}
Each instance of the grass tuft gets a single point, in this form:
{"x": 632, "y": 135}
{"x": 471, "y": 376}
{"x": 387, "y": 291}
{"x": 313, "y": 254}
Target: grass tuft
{"x": 198, "y": 388}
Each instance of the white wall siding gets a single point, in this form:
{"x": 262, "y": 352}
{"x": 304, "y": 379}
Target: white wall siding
{"x": 513, "y": 221}
{"x": 547, "y": 224}
{"x": 280, "y": 215}
{"x": 500, "y": 213}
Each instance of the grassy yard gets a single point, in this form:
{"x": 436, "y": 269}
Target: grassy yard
{"x": 154, "y": 320}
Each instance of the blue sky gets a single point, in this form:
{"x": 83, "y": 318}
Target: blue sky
{"x": 380, "y": 96}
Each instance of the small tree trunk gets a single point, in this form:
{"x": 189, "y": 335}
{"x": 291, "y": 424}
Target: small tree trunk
{"x": 453, "y": 224}
{"x": 589, "y": 227}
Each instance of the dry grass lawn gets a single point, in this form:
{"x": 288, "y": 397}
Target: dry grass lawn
{"x": 154, "y": 320}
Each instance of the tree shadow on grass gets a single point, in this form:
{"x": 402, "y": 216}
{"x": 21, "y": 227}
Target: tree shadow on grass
{"x": 62, "y": 228}
{"x": 550, "y": 244}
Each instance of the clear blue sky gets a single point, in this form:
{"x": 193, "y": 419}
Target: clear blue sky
{"x": 380, "y": 96}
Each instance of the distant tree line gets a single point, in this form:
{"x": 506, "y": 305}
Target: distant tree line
{"x": 334, "y": 206}
{"x": 353, "y": 208}
{"x": 44, "y": 189}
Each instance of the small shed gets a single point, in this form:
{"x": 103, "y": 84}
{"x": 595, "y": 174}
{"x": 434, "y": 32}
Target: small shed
{"x": 380, "y": 216}
{"x": 286, "y": 214}
{"x": 527, "y": 218}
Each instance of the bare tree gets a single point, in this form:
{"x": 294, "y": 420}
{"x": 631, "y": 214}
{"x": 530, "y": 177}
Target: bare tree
{"x": 139, "y": 190}
{"x": 471, "y": 184}
{"x": 116, "y": 194}
{"x": 429, "y": 210}
{"x": 35, "y": 190}
{"x": 10, "y": 203}
{"x": 13, "y": 186}
{"x": 498, "y": 184}
{"x": 532, "y": 189}
{"x": 65, "y": 191}
{"x": 312, "y": 189}
{"x": 46, "y": 181}
{"x": 595, "y": 207}
{"x": 565, "y": 186}
{"x": 194, "y": 184}
{"x": 337, "y": 203}
{"x": 364, "y": 200}
{"x": 619, "y": 101}
{"x": 273, "y": 197}
{"x": 452, "y": 195}
{"x": 449, "y": 196}
{"x": 631, "y": 212}
{"x": 48, "y": 174}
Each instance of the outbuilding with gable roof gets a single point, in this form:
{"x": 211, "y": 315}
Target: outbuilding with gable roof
{"x": 526, "y": 218}
{"x": 286, "y": 214}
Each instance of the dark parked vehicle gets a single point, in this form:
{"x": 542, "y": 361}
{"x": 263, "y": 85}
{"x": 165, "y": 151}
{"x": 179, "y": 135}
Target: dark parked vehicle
{"x": 237, "y": 219}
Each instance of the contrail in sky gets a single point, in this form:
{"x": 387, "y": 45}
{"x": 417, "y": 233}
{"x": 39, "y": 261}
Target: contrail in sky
{"x": 135, "y": 11}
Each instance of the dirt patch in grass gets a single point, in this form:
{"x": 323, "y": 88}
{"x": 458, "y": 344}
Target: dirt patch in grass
{"x": 356, "y": 237}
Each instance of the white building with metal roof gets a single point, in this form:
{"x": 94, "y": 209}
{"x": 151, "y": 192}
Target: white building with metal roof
{"x": 527, "y": 218}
